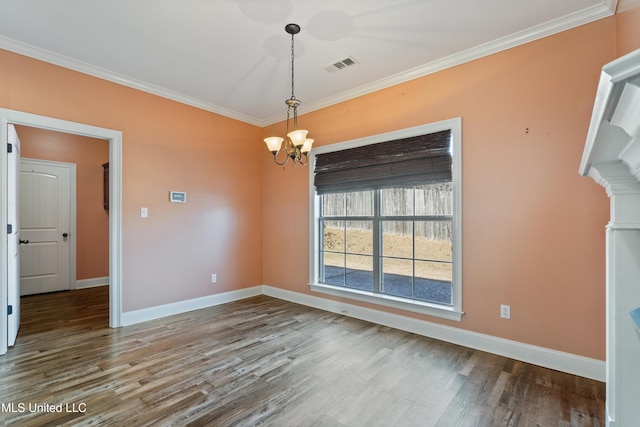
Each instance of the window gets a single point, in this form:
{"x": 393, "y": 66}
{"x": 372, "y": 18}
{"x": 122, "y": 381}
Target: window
{"x": 386, "y": 226}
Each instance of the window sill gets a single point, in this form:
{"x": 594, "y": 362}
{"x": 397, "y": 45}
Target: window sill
{"x": 435, "y": 310}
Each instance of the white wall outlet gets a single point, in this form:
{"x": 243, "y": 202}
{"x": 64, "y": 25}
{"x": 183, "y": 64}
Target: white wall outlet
{"x": 505, "y": 311}
{"x": 144, "y": 212}
{"x": 214, "y": 278}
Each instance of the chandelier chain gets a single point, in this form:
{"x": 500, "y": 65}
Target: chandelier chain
{"x": 293, "y": 96}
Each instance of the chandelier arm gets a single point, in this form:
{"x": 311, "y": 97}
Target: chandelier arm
{"x": 286, "y": 158}
{"x": 306, "y": 159}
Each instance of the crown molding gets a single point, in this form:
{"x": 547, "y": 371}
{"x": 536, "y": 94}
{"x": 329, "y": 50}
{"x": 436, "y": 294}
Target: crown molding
{"x": 585, "y": 16}
{"x": 121, "y": 79}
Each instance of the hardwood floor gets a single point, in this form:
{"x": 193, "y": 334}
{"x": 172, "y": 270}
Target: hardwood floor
{"x": 263, "y": 361}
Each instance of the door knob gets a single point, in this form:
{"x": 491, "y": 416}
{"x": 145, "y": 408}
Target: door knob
{"x": 23, "y": 242}
{"x": 65, "y": 235}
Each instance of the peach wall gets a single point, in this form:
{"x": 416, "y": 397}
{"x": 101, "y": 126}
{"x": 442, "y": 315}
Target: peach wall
{"x": 628, "y": 28}
{"x": 171, "y": 255}
{"x": 533, "y": 229}
{"x": 92, "y": 221}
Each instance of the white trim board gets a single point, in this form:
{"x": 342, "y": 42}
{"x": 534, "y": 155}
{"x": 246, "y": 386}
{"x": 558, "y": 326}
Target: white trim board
{"x": 552, "y": 359}
{"x": 91, "y": 283}
{"x": 160, "y": 311}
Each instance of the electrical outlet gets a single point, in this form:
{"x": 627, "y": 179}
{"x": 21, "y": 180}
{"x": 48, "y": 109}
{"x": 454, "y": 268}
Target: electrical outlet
{"x": 505, "y": 311}
{"x": 214, "y": 278}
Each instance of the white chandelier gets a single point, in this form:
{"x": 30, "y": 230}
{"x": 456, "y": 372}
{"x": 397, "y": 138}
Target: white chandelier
{"x": 297, "y": 146}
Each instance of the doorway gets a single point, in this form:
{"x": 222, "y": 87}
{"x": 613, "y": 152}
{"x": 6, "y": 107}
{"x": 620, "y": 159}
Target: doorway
{"x": 45, "y": 158}
{"x": 115, "y": 205}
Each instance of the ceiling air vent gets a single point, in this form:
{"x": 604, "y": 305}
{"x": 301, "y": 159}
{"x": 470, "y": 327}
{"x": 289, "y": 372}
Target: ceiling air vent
{"x": 341, "y": 65}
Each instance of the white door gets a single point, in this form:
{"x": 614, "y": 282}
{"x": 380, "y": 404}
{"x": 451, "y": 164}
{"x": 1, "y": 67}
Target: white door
{"x": 45, "y": 224}
{"x": 13, "y": 289}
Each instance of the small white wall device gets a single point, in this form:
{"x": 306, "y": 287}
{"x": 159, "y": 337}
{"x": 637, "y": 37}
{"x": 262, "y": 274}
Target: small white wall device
{"x": 178, "y": 197}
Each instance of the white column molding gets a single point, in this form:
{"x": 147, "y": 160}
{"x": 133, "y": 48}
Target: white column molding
{"x": 624, "y": 191}
{"x": 612, "y": 158}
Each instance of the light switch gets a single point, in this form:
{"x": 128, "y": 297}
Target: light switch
{"x": 144, "y": 212}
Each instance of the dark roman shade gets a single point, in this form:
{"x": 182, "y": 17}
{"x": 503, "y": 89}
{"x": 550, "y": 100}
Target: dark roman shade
{"x": 406, "y": 162}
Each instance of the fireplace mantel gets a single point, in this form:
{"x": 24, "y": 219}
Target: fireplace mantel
{"x": 614, "y": 131}
{"x": 612, "y": 158}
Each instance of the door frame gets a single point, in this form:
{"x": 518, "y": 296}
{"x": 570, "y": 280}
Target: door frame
{"x": 72, "y": 208}
{"x": 115, "y": 205}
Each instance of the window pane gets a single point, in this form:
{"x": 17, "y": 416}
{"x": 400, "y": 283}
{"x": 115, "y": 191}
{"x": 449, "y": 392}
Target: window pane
{"x": 333, "y": 236}
{"x": 332, "y": 255}
{"x": 433, "y": 282}
{"x": 433, "y": 240}
{"x": 434, "y": 199}
{"x": 359, "y": 272}
{"x": 333, "y": 204}
{"x": 434, "y": 270}
{"x": 333, "y": 259}
{"x": 360, "y": 237}
{"x": 360, "y": 203}
{"x": 397, "y": 277}
{"x": 333, "y": 269}
{"x": 396, "y": 201}
{"x": 397, "y": 239}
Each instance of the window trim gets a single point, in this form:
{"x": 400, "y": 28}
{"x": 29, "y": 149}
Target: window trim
{"x": 455, "y": 311}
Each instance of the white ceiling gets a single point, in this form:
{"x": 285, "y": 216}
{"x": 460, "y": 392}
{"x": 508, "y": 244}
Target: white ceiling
{"x": 233, "y": 56}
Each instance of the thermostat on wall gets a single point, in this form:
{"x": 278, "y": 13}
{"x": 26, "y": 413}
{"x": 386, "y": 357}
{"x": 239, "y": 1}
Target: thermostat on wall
{"x": 178, "y": 197}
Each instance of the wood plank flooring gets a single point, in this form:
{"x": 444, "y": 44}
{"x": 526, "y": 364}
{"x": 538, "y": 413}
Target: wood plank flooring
{"x": 263, "y": 361}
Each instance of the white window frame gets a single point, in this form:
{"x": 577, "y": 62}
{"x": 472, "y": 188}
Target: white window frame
{"x": 453, "y": 312}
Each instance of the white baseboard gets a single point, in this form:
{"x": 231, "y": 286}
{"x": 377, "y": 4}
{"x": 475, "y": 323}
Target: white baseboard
{"x": 91, "y": 283}
{"x": 552, "y": 359}
{"x": 160, "y": 311}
